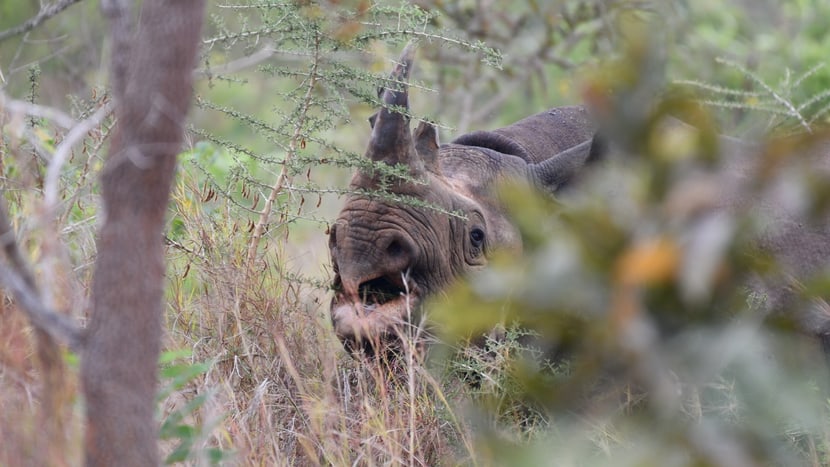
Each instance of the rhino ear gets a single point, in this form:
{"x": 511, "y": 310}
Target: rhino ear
{"x": 555, "y": 173}
{"x": 426, "y": 145}
{"x": 391, "y": 140}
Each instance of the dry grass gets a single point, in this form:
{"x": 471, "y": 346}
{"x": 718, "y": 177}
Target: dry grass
{"x": 277, "y": 388}
{"x": 283, "y": 392}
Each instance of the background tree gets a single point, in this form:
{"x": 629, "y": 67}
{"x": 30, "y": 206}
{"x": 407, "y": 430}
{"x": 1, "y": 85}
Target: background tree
{"x": 151, "y": 86}
{"x": 151, "y": 83}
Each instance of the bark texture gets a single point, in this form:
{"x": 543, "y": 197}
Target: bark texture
{"x": 119, "y": 361}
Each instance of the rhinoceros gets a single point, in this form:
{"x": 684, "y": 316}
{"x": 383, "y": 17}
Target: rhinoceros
{"x": 389, "y": 255}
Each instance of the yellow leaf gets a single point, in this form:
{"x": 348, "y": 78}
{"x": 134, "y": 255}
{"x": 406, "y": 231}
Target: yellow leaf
{"x": 565, "y": 87}
{"x": 652, "y": 262}
{"x": 675, "y": 142}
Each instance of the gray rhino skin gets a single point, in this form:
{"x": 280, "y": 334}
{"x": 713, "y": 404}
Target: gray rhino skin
{"x": 388, "y": 256}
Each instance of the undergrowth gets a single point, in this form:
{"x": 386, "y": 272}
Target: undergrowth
{"x": 254, "y": 374}
{"x": 285, "y": 391}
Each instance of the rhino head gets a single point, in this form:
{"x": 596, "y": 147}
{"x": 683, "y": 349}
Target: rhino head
{"x": 443, "y": 219}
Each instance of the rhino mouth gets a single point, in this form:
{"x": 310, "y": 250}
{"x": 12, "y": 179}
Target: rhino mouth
{"x": 377, "y": 292}
{"x": 377, "y": 321}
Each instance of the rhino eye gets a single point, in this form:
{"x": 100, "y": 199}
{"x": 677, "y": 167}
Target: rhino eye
{"x": 476, "y": 237}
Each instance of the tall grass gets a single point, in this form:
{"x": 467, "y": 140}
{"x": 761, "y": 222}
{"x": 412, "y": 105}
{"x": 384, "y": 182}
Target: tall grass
{"x": 285, "y": 391}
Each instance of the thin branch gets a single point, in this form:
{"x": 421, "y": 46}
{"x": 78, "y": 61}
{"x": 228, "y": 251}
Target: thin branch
{"x": 170, "y": 242}
{"x": 816, "y": 98}
{"x": 58, "y": 326}
{"x": 244, "y": 34}
{"x": 237, "y": 65}
{"x": 812, "y": 71}
{"x": 820, "y": 113}
{"x": 52, "y": 245}
{"x": 55, "y": 162}
{"x": 293, "y": 144}
{"x": 64, "y": 150}
{"x": 772, "y": 109}
{"x": 40, "y": 59}
{"x": 791, "y": 110}
{"x": 44, "y": 14}
{"x": 18, "y": 278}
{"x": 715, "y": 89}
{"x": 58, "y": 117}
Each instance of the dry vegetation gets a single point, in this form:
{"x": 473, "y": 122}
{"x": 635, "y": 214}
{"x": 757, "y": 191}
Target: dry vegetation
{"x": 252, "y": 374}
{"x": 281, "y": 388}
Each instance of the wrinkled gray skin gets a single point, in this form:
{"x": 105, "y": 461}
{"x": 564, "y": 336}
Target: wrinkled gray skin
{"x": 387, "y": 256}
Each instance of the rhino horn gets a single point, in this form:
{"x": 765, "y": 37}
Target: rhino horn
{"x": 391, "y": 140}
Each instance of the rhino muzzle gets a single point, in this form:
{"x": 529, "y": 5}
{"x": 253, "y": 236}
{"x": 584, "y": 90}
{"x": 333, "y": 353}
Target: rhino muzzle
{"x": 377, "y": 318}
{"x": 375, "y": 295}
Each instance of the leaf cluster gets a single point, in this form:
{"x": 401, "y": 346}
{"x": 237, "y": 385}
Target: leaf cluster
{"x": 644, "y": 283}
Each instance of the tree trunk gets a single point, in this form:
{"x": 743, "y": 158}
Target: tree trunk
{"x": 119, "y": 361}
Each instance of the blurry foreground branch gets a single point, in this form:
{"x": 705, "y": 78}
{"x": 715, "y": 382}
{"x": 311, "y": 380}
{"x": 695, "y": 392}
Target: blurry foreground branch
{"x": 19, "y": 279}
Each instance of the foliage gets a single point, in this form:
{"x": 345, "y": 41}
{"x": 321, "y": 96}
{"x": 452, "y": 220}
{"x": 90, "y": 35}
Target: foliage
{"x": 778, "y": 103}
{"x": 749, "y": 50}
{"x": 174, "y": 426}
{"x": 642, "y": 281}
{"x": 280, "y": 122}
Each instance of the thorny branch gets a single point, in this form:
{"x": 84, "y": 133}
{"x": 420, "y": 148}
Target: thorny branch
{"x": 234, "y": 66}
{"x": 45, "y": 13}
{"x": 64, "y": 150}
{"x": 293, "y": 144}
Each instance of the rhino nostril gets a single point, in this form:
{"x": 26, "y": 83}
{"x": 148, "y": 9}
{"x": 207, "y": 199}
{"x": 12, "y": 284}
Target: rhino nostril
{"x": 394, "y": 248}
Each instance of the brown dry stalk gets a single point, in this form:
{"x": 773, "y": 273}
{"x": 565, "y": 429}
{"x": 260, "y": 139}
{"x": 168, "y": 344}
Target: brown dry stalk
{"x": 279, "y": 184}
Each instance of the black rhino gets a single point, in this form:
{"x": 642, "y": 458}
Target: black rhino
{"x": 388, "y": 256}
